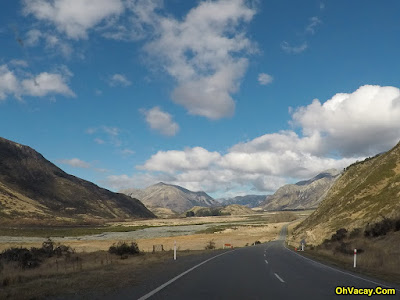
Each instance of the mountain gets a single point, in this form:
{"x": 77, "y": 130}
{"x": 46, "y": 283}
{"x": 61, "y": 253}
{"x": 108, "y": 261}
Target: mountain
{"x": 247, "y": 200}
{"x": 304, "y": 194}
{"x": 171, "y": 196}
{"x": 366, "y": 193}
{"x": 31, "y": 187}
{"x": 234, "y": 210}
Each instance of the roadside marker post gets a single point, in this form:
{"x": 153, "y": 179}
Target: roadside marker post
{"x": 174, "y": 250}
{"x": 355, "y": 257}
{"x": 302, "y": 246}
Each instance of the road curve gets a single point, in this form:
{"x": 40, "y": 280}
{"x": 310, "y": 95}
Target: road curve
{"x": 266, "y": 271}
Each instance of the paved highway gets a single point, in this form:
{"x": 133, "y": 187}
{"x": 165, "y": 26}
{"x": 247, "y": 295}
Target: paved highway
{"x": 266, "y": 271}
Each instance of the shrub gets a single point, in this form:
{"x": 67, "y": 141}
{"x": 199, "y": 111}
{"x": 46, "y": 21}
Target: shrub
{"x": 257, "y": 242}
{"x": 190, "y": 214}
{"x": 380, "y": 228}
{"x": 210, "y": 245}
{"x": 339, "y": 235}
{"x": 123, "y": 249}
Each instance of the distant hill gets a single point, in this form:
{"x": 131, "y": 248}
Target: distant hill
{"x": 33, "y": 188}
{"x": 247, "y": 200}
{"x": 234, "y": 210}
{"x": 302, "y": 195}
{"x": 171, "y": 196}
{"x": 367, "y": 192}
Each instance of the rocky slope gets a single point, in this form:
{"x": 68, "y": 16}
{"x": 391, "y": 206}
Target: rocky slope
{"x": 302, "y": 195}
{"x": 171, "y": 196}
{"x": 367, "y": 192}
{"x": 33, "y": 188}
{"x": 247, "y": 200}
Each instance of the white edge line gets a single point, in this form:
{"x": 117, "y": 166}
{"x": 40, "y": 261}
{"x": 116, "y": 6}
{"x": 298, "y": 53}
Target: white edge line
{"x": 280, "y": 279}
{"x": 266, "y": 262}
{"x": 340, "y": 271}
{"x": 148, "y": 295}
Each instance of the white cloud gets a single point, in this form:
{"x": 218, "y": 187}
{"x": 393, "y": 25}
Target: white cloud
{"x": 311, "y": 27}
{"x": 9, "y": 83}
{"x": 19, "y": 63}
{"x": 205, "y": 54}
{"x": 105, "y": 134}
{"x": 161, "y": 121}
{"x": 119, "y": 80}
{"x": 189, "y": 159}
{"x": 73, "y": 17}
{"x": 99, "y": 141}
{"x": 294, "y": 49}
{"x": 39, "y": 85}
{"x": 343, "y": 129}
{"x": 75, "y": 162}
{"x": 364, "y": 122}
{"x": 45, "y": 84}
{"x": 127, "y": 152}
{"x": 264, "y": 78}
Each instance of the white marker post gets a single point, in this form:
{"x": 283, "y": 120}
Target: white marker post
{"x": 355, "y": 257}
{"x": 174, "y": 250}
{"x": 302, "y": 246}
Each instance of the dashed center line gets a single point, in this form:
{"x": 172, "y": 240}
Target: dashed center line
{"x": 266, "y": 262}
{"x": 280, "y": 279}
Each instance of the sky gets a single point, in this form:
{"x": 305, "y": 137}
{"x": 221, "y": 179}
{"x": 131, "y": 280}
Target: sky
{"x": 230, "y": 97}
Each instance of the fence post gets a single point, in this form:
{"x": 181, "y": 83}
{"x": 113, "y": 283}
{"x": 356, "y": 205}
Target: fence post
{"x": 174, "y": 250}
{"x": 355, "y": 257}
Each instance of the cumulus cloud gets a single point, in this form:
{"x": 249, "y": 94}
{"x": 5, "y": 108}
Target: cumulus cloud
{"x": 264, "y": 78}
{"x": 40, "y": 85}
{"x": 75, "y": 162}
{"x": 161, "y": 121}
{"x": 73, "y": 17}
{"x": 119, "y": 80}
{"x": 204, "y": 52}
{"x": 293, "y": 49}
{"x": 189, "y": 159}
{"x": 343, "y": 129}
{"x": 364, "y": 122}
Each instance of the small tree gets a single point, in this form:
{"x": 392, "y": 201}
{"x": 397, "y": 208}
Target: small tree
{"x": 210, "y": 245}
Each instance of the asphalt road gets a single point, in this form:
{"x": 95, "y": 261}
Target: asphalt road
{"x": 266, "y": 271}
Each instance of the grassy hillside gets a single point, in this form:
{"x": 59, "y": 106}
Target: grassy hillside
{"x": 366, "y": 193}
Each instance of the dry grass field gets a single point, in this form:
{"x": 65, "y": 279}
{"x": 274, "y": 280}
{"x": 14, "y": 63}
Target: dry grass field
{"x": 92, "y": 268}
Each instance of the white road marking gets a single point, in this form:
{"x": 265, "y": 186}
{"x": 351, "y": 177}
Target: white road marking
{"x": 280, "y": 279}
{"x": 340, "y": 271}
{"x": 266, "y": 262}
{"x": 148, "y": 295}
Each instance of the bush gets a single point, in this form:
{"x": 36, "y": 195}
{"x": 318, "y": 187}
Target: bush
{"x": 210, "y": 245}
{"x": 32, "y": 258}
{"x": 123, "y": 249}
{"x": 339, "y": 235}
{"x": 257, "y": 242}
{"x": 380, "y": 228}
{"x": 190, "y": 214}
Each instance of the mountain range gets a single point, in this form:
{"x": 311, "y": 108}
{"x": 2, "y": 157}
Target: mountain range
{"x": 247, "y": 200}
{"x": 33, "y": 188}
{"x": 171, "y": 196}
{"x": 305, "y": 194}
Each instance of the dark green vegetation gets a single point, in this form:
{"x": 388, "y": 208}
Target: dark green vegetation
{"x": 31, "y": 258}
{"x": 124, "y": 249}
{"x": 33, "y": 188}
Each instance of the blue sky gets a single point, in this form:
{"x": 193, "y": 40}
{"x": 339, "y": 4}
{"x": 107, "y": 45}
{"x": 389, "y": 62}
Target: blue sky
{"x": 230, "y": 97}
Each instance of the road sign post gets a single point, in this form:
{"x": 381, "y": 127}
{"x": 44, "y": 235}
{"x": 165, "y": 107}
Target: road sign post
{"x": 355, "y": 257}
{"x": 174, "y": 250}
